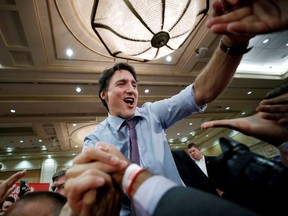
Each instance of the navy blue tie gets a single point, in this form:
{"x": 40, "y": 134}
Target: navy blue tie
{"x": 134, "y": 151}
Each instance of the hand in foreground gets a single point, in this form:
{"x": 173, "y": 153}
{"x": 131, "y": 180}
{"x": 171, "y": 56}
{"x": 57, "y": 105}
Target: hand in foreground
{"x": 275, "y": 109}
{"x": 8, "y": 185}
{"x": 248, "y": 17}
{"x": 90, "y": 189}
{"x": 269, "y": 131}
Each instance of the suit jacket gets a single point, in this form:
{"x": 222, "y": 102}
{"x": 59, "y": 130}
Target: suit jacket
{"x": 183, "y": 201}
{"x": 191, "y": 174}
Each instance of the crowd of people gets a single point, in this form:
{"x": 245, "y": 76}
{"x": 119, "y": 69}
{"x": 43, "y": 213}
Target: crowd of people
{"x": 104, "y": 181}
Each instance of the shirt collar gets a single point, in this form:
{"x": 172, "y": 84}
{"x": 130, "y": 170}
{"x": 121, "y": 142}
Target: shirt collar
{"x": 116, "y": 122}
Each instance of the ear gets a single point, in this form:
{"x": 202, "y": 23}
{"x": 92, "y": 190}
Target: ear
{"x": 103, "y": 95}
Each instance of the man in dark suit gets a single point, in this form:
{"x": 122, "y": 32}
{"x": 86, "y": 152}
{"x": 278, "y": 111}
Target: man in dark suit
{"x": 201, "y": 160}
{"x": 196, "y": 169}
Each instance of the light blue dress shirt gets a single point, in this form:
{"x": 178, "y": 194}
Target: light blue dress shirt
{"x": 156, "y": 117}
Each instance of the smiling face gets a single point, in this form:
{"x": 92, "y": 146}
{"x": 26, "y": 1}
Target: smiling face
{"x": 121, "y": 95}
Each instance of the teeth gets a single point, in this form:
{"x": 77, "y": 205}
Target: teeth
{"x": 129, "y": 100}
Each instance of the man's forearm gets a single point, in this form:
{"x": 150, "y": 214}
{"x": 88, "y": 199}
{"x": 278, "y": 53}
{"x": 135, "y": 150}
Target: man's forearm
{"x": 218, "y": 73}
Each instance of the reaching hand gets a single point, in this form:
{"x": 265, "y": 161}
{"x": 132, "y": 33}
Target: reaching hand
{"x": 8, "y": 185}
{"x": 248, "y": 17}
{"x": 269, "y": 131}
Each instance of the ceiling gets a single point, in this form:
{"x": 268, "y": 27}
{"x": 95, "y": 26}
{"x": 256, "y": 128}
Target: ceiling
{"x": 38, "y": 80}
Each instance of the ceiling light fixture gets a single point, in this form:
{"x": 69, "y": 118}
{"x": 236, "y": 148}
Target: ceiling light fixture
{"x": 69, "y": 52}
{"x": 265, "y": 40}
{"x": 78, "y": 89}
{"x": 145, "y": 30}
{"x": 169, "y": 58}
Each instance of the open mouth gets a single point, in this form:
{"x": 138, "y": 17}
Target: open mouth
{"x": 129, "y": 101}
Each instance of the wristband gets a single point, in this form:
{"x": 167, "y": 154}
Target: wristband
{"x": 234, "y": 51}
{"x": 132, "y": 171}
{"x": 283, "y": 147}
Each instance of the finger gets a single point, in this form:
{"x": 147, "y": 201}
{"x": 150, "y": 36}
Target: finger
{"x": 216, "y": 123}
{"x": 95, "y": 154}
{"x": 11, "y": 189}
{"x": 88, "y": 202}
{"x": 78, "y": 169}
{"x": 217, "y": 8}
{"x": 110, "y": 149}
{"x": 76, "y": 188}
{"x": 281, "y": 109}
{"x": 13, "y": 179}
{"x": 234, "y": 16}
{"x": 282, "y": 99}
{"x": 276, "y": 116}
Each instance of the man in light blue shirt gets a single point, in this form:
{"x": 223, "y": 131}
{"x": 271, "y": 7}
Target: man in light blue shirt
{"x": 155, "y": 118}
{"x": 118, "y": 93}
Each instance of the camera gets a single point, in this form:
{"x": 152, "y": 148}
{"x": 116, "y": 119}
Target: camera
{"x": 250, "y": 179}
{"x": 23, "y": 186}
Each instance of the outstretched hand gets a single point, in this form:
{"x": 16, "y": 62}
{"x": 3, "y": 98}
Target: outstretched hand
{"x": 248, "y": 17}
{"x": 8, "y": 185}
{"x": 264, "y": 129}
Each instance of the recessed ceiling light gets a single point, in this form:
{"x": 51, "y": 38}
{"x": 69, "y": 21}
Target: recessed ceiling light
{"x": 178, "y": 134}
{"x": 243, "y": 113}
{"x": 184, "y": 139}
{"x": 78, "y": 89}
{"x": 74, "y": 125}
{"x": 169, "y": 58}
{"x": 146, "y": 91}
{"x": 21, "y": 141}
{"x": 193, "y": 133}
{"x": 227, "y": 108}
{"x": 69, "y": 52}
{"x": 190, "y": 123}
{"x": 9, "y": 149}
{"x": 265, "y": 41}
{"x": 249, "y": 92}
{"x": 12, "y": 111}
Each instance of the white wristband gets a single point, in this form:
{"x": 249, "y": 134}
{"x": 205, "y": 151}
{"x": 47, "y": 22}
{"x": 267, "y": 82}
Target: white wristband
{"x": 132, "y": 171}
